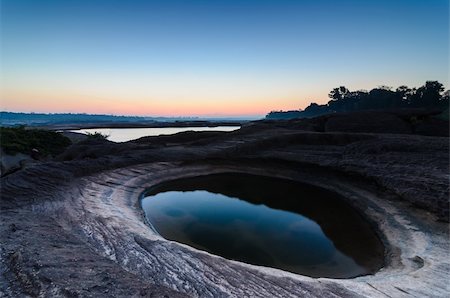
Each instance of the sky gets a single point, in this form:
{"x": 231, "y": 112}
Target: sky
{"x": 212, "y": 57}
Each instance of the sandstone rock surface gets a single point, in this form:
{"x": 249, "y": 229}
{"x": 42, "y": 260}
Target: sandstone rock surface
{"x": 74, "y": 227}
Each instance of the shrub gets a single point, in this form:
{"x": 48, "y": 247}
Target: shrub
{"x": 97, "y": 136}
{"x": 18, "y": 139}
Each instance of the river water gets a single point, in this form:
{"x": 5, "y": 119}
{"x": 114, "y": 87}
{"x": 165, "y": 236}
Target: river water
{"x": 128, "y": 134}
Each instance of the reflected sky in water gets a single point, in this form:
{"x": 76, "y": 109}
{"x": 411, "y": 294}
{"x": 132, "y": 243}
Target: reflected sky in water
{"x": 127, "y": 134}
{"x": 252, "y": 233}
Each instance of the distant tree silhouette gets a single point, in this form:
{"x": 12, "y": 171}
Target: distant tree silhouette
{"x": 338, "y": 93}
{"x": 359, "y": 99}
{"x": 445, "y": 99}
{"x": 382, "y": 98}
{"x": 430, "y": 95}
{"x": 404, "y": 94}
{"x": 339, "y": 99}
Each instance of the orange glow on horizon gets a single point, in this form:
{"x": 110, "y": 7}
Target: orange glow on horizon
{"x": 52, "y": 102}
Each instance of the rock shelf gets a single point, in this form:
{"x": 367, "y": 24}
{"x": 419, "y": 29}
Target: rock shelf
{"x": 75, "y": 228}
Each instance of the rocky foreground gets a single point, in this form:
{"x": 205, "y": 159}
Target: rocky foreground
{"x": 73, "y": 227}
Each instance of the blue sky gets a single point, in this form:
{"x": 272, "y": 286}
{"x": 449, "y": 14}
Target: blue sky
{"x": 213, "y": 57}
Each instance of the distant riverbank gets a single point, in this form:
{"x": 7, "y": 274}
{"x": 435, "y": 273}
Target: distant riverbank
{"x": 87, "y": 121}
{"x": 139, "y": 124}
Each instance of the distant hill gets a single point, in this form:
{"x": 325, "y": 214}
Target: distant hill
{"x": 37, "y": 119}
{"x": 429, "y": 96}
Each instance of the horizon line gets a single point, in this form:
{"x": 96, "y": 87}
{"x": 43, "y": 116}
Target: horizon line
{"x": 140, "y": 116}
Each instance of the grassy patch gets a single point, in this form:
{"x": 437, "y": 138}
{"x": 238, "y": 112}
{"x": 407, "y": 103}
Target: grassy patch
{"x": 18, "y": 139}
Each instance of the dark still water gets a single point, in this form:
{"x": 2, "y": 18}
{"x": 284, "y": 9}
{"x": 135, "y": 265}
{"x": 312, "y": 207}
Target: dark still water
{"x": 266, "y": 221}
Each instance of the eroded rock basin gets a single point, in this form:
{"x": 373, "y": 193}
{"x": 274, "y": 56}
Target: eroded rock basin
{"x": 266, "y": 221}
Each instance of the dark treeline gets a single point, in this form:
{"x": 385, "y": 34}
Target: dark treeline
{"x": 429, "y": 96}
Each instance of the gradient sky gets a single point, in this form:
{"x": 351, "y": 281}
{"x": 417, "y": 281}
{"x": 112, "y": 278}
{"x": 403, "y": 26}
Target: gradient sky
{"x": 212, "y": 58}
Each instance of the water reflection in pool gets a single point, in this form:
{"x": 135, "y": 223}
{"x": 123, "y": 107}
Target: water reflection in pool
{"x": 266, "y": 221}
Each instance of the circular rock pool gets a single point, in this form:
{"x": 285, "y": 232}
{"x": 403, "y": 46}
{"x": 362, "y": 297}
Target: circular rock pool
{"x": 266, "y": 221}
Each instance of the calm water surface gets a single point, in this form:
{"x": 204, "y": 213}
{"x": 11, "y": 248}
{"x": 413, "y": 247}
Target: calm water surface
{"x": 266, "y": 221}
{"x": 128, "y": 134}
